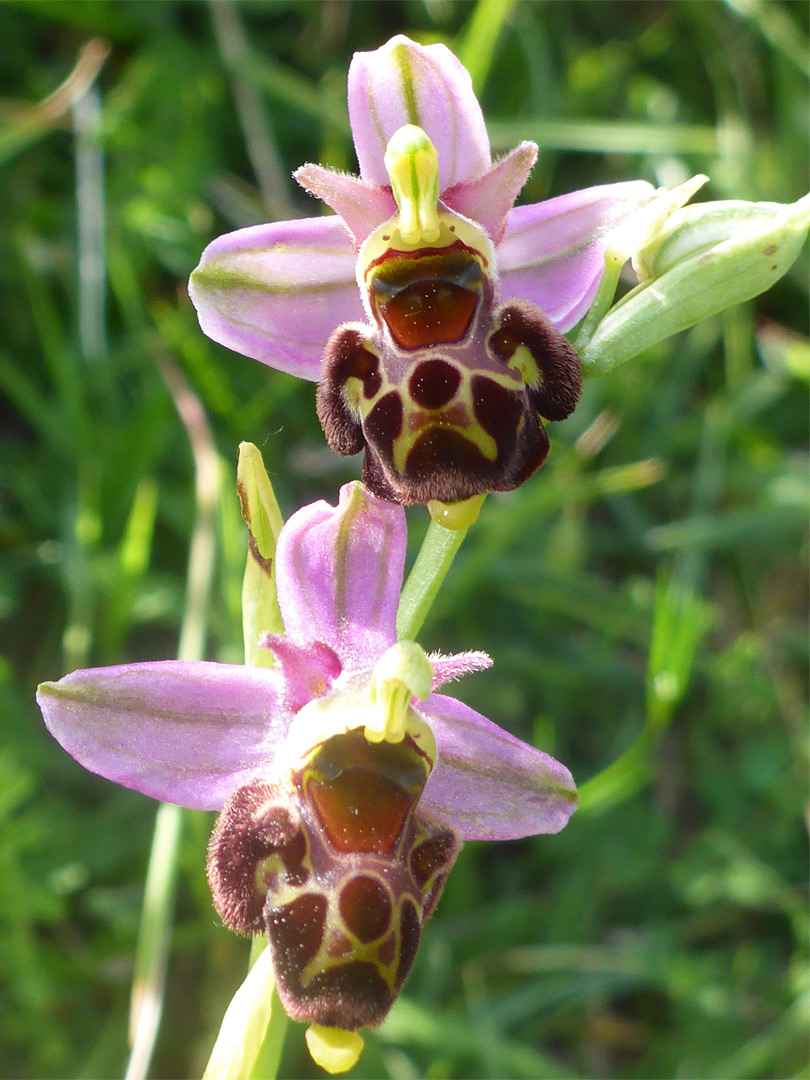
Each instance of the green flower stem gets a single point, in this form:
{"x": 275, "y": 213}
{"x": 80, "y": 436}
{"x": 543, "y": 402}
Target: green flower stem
{"x": 614, "y": 261}
{"x": 251, "y": 1036}
{"x": 154, "y": 934}
{"x": 247, "y": 1018}
{"x": 152, "y": 950}
{"x": 268, "y": 1058}
{"x": 432, "y": 563}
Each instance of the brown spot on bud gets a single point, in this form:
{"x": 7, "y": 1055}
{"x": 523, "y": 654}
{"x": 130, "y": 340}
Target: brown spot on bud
{"x": 498, "y": 411}
{"x": 442, "y": 450}
{"x": 428, "y": 297}
{"x": 433, "y": 856}
{"x": 384, "y": 423}
{"x": 350, "y": 996}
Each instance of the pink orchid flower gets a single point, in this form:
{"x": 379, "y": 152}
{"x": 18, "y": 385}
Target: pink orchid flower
{"x": 430, "y": 311}
{"x": 346, "y": 784}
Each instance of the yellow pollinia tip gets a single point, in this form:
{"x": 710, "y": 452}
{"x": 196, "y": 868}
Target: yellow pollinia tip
{"x": 413, "y": 169}
{"x": 334, "y": 1049}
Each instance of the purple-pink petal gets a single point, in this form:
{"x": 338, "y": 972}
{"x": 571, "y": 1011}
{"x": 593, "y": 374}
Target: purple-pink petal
{"x": 308, "y": 670}
{"x": 186, "y": 733}
{"x": 489, "y": 785}
{"x": 339, "y": 573}
{"x": 456, "y": 665}
{"x": 489, "y": 199}
{"x": 361, "y": 206}
{"x": 276, "y": 292}
{"x": 552, "y": 253}
{"x": 405, "y": 83}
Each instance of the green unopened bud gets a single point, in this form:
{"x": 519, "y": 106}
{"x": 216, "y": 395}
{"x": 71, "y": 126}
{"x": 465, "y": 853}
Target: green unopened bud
{"x": 703, "y": 259}
{"x": 413, "y": 168}
{"x": 643, "y": 226}
{"x": 260, "y": 610}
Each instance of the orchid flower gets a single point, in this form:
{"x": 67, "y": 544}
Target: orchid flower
{"x": 345, "y": 783}
{"x": 430, "y": 311}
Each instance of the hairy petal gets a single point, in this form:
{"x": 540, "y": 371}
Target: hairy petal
{"x": 339, "y": 572}
{"x": 276, "y": 292}
{"x": 361, "y": 206}
{"x": 186, "y": 733}
{"x": 405, "y": 83}
{"x": 456, "y": 665}
{"x": 489, "y": 199}
{"x": 487, "y": 784}
{"x": 552, "y": 253}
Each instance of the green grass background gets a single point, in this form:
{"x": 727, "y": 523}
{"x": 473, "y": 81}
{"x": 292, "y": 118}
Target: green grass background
{"x": 643, "y": 596}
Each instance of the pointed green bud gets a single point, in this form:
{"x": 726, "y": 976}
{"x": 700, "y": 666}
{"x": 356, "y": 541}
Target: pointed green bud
{"x": 413, "y": 169}
{"x": 646, "y": 223}
{"x": 244, "y": 1024}
{"x": 702, "y": 260}
{"x": 260, "y": 610}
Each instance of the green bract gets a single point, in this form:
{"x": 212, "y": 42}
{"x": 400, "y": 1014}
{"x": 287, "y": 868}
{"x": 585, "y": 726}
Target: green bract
{"x": 704, "y": 259}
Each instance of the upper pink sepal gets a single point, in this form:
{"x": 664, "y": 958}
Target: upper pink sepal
{"x": 339, "y": 571}
{"x": 405, "y": 83}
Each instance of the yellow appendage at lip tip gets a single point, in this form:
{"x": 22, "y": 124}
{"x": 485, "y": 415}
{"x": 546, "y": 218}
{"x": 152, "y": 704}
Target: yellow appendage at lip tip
{"x": 413, "y": 169}
{"x": 334, "y": 1049}
{"x": 456, "y": 515}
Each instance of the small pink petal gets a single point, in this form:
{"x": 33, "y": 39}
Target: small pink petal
{"x": 186, "y": 733}
{"x": 276, "y": 292}
{"x": 488, "y": 199}
{"x": 489, "y": 785}
{"x": 405, "y": 83}
{"x": 339, "y": 573}
{"x": 361, "y": 206}
{"x": 308, "y": 670}
{"x": 448, "y": 668}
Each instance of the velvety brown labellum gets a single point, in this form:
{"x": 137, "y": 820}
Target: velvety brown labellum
{"x": 446, "y": 393}
{"x": 341, "y": 869}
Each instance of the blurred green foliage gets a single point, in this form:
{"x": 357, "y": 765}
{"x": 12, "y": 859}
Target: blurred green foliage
{"x": 643, "y": 596}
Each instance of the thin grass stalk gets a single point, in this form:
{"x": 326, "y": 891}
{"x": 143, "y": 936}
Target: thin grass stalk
{"x": 152, "y": 951}
{"x": 90, "y": 217}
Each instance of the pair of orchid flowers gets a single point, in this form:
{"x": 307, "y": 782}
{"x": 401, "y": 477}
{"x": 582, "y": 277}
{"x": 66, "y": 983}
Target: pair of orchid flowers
{"x": 431, "y": 312}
